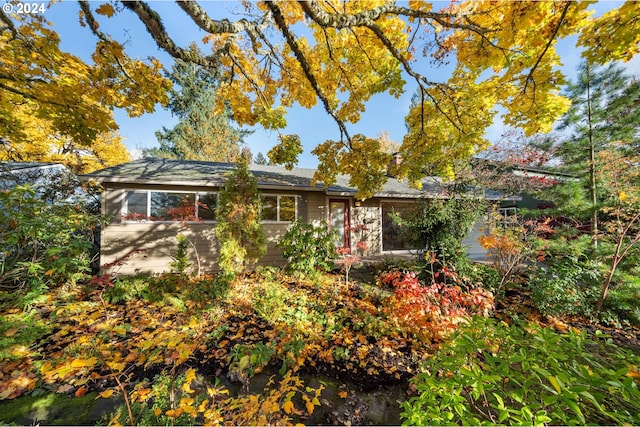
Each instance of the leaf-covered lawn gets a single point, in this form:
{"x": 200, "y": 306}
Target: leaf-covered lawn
{"x": 182, "y": 351}
{"x": 116, "y": 340}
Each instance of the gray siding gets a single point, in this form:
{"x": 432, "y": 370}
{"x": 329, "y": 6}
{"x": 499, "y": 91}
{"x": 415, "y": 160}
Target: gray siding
{"x": 475, "y": 251}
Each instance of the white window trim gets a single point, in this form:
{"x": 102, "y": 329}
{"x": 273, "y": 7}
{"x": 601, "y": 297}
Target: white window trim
{"x": 278, "y": 220}
{"x": 125, "y": 206}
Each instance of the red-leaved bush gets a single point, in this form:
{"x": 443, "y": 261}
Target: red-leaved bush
{"x": 432, "y": 312}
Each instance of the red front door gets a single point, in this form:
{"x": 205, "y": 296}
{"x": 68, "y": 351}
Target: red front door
{"x": 339, "y": 221}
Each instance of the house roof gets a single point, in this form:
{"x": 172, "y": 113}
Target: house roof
{"x": 199, "y": 173}
{"x": 19, "y": 167}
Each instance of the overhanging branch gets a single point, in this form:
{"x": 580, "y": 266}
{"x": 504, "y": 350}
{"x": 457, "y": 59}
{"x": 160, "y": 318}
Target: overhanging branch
{"x": 153, "y": 23}
{"x": 304, "y": 64}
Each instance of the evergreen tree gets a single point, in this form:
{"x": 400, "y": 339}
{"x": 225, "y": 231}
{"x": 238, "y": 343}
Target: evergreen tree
{"x": 201, "y": 133}
{"x": 239, "y": 230}
{"x": 604, "y": 110}
{"x": 260, "y": 159}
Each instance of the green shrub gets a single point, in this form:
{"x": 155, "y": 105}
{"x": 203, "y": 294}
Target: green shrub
{"x": 308, "y": 247}
{"x": 208, "y": 288}
{"x": 484, "y": 275}
{"x": 440, "y": 225}
{"x": 493, "y": 373}
{"x": 621, "y": 305}
{"x": 127, "y": 289}
{"x": 269, "y": 300}
{"x": 239, "y": 227}
{"x": 567, "y": 287}
{"x": 181, "y": 261}
{"x": 43, "y": 244}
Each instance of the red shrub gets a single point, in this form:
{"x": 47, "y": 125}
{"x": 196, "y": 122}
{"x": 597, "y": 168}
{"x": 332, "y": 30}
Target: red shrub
{"x": 432, "y": 312}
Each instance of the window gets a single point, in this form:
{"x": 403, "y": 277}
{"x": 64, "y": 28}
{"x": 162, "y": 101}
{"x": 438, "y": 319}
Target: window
{"x": 392, "y": 237}
{"x": 136, "y": 204}
{"x": 167, "y": 206}
{"x": 269, "y": 208}
{"x": 206, "y": 206}
{"x": 279, "y": 208}
{"x": 140, "y": 205}
{"x": 508, "y": 215}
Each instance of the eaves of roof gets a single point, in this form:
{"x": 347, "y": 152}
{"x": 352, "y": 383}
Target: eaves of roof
{"x": 211, "y": 174}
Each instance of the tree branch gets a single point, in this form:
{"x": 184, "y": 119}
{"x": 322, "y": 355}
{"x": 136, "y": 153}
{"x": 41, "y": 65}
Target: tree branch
{"x": 31, "y": 96}
{"x": 420, "y": 79}
{"x": 304, "y": 64}
{"x": 217, "y": 26}
{"x": 93, "y": 25}
{"x": 345, "y": 20}
{"x": 8, "y": 22}
{"x": 154, "y": 26}
{"x": 546, "y": 48}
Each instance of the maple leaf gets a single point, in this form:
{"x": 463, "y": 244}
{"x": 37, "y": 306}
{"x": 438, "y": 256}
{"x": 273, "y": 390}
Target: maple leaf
{"x": 105, "y": 9}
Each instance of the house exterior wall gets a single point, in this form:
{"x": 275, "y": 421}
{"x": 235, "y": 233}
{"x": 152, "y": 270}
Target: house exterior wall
{"x": 151, "y": 244}
{"x": 474, "y": 250}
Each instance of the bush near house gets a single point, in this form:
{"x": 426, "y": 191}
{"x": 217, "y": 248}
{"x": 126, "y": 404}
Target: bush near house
{"x": 44, "y": 244}
{"x": 308, "y": 247}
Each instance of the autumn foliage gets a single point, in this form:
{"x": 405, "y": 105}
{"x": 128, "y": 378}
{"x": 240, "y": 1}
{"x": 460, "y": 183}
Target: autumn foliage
{"x": 433, "y": 311}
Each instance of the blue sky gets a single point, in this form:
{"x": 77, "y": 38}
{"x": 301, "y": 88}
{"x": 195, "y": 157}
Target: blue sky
{"x": 314, "y": 126}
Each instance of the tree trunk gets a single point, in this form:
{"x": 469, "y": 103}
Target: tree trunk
{"x": 593, "y": 195}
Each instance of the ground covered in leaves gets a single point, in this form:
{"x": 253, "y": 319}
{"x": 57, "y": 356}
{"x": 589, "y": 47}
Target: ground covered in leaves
{"x": 263, "y": 349}
{"x": 126, "y": 339}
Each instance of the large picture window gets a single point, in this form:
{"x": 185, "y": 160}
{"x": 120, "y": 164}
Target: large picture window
{"x": 279, "y": 208}
{"x": 142, "y": 205}
{"x": 393, "y": 238}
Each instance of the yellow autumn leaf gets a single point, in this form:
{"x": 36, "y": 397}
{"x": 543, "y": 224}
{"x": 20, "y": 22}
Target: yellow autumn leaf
{"x": 554, "y": 382}
{"x": 310, "y": 407}
{"x": 342, "y": 394}
{"x": 189, "y": 377}
{"x": 633, "y": 372}
{"x": 84, "y": 363}
{"x": 622, "y": 195}
{"x": 120, "y": 330}
{"x": 107, "y": 393}
{"x": 116, "y": 366}
{"x": 106, "y": 10}
{"x": 174, "y": 413}
{"x": 288, "y": 407}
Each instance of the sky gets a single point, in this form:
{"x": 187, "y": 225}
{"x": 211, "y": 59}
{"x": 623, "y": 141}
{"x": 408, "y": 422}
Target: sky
{"x": 384, "y": 113}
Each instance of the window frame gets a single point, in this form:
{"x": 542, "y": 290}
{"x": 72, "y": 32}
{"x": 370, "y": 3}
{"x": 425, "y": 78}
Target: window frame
{"x": 278, "y": 220}
{"x": 125, "y": 206}
{"x": 393, "y": 202}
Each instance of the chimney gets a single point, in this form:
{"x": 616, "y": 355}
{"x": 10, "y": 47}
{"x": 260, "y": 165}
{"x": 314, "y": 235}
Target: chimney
{"x": 394, "y": 164}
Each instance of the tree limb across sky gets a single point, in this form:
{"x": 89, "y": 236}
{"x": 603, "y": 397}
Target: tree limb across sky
{"x": 278, "y": 54}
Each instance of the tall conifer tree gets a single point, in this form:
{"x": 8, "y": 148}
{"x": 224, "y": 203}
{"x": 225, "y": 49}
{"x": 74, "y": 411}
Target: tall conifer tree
{"x": 604, "y": 110}
{"x": 202, "y": 132}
